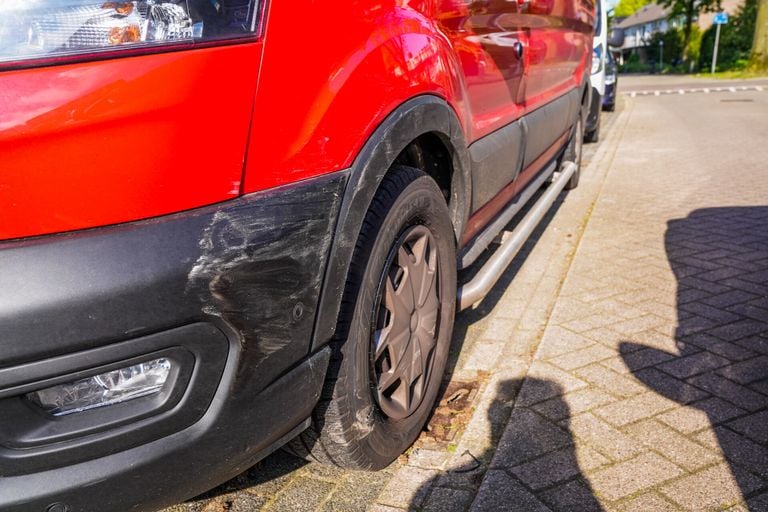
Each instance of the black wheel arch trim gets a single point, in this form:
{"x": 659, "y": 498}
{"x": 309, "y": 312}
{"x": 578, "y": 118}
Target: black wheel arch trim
{"x": 415, "y": 117}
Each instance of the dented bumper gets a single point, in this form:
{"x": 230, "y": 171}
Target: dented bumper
{"x": 230, "y": 291}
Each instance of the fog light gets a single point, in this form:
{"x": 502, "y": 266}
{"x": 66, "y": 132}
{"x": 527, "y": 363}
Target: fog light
{"x": 105, "y": 389}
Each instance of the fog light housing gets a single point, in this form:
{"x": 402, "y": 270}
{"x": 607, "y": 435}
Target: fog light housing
{"x": 105, "y": 389}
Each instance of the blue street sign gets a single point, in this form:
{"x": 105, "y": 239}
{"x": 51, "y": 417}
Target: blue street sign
{"x": 721, "y": 18}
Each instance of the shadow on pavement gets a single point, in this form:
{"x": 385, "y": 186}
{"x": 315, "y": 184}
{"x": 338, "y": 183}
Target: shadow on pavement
{"x": 720, "y": 260}
{"x": 532, "y": 456}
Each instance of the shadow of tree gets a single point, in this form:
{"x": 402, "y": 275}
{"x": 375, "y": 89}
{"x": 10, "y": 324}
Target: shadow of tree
{"x": 720, "y": 260}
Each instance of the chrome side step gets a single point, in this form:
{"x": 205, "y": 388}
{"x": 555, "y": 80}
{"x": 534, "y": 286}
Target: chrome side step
{"x": 486, "y": 277}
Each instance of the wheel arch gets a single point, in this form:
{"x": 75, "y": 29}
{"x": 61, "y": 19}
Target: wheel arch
{"x": 415, "y": 118}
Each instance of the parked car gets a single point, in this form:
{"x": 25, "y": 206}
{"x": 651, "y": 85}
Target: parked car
{"x": 228, "y": 224}
{"x": 597, "y": 76}
{"x": 611, "y": 82}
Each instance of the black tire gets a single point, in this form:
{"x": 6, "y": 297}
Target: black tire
{"x": 592, "y": 136}
{"x": 574, "y": 151}
{"x": 356, "y": 424}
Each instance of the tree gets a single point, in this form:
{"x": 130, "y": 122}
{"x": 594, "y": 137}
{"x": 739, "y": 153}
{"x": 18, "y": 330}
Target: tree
{"x": 689, "y": 10}
{"x": 736, "y": 38}
{"x": 759, "y": 57}
{"x": 628, "y": 7}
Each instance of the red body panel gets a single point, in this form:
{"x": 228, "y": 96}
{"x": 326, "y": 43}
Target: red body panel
{"x": 98, "y": 143}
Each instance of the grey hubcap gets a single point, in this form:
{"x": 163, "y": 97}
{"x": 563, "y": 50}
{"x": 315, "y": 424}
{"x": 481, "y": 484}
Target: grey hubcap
{"x": 406, "y": 320}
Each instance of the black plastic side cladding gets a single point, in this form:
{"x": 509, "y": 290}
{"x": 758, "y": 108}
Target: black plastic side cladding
{"x": 424, "y": 114}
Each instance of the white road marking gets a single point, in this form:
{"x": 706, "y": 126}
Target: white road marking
{"x": 705, "y": 90}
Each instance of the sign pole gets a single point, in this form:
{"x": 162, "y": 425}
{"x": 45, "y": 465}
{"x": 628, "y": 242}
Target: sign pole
{"x": 717, "y": 43}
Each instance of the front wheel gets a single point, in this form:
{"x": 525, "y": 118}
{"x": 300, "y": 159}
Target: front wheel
{"x": 394, "y": 330}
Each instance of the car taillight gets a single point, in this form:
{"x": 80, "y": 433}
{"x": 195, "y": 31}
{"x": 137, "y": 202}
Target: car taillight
{"x": 51, "y": 29}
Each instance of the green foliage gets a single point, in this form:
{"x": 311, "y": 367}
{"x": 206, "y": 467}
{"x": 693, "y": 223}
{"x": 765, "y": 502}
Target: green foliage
{"x": 632, "y": 64}
{"x": 735, "y": 40}
{"x": 629, "y": 7}
{"x": 673, "y": 47}
{"x": 689, "y": 10}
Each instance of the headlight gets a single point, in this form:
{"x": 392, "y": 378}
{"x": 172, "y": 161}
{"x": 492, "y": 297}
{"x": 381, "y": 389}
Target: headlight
{"x": 108, "y": 388}
{"x": 597, "y": 59}
{"x": 38, "y": 29}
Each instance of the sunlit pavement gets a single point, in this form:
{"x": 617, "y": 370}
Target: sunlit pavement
{"x": 621, "y": 363}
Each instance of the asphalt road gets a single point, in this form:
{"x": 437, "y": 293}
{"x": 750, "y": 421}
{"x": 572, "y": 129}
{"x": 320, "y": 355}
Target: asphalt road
{"x": 629, "y": 83}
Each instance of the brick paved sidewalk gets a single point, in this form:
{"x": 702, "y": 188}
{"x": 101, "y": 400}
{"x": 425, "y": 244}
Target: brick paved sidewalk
{"x": 649, "y": 390}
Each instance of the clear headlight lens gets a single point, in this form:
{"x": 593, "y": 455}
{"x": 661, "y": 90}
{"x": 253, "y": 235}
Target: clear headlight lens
{"x": 597, "y": 60}
{"x": 31, "y": 29}
{"x": 105, "y": 389}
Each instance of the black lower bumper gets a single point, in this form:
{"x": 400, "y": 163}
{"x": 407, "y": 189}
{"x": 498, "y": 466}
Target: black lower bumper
{"x": 228, "y": 293}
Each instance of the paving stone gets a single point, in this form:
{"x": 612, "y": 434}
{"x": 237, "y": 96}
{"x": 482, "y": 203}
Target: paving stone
{"x": 713, "y": 313}
{"x": 443, "y": 499}
{"x": 571, "y": 496}
{"x": 755, "y": 343}
{"x": 557, "y": 466}
{"x": 573, "y": 403}
{"x": 484, "y": 356}
{"x": 383, "y": 508}
{"x": 649, "y": 502}
{"x": 700, "y": 415}
{"x": 669, "y": 386}
{"x": 758, "y": 503}
{"x": 711, "y": 489}
{"x": 427, "y": 459}
{"x": 761, "y": 387}
{"x": 586, "y": 323}
{"x": 636, "y": 325}
{"x": 557, "y": 340}
{"x": 635, "y": 408}
{"x": 730, "y": 391}
{"x": 740, "y": 329}
{"x": 725, "y": 349}
{"x": 500, "y": 329}
{"x": 302, "y": 494}
{"x": 527, "y": 436}
{"x": 612, "y": 382}
{"x": 754, "y": 426}
{"x": 582, "y": 357}
{"x": 407, "y": 488}
{"x": 637, "y": 360}
{"x": 748, "y": 371}
{"x": 356, "y": 490}
{"x": 675, "y": 447}
{"x": 642, "y": 472}
{"x": 729, "y": 298}
{"x": 499, "y": 491}
{"x": 688, "y": 366}
{"x": 546, "y": 381}
{"x": 737, "y": 449}
{"x": 604, "y": 438}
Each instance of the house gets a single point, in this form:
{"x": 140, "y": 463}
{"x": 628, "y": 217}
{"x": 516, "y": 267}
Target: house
{"x": 640, "y": 27}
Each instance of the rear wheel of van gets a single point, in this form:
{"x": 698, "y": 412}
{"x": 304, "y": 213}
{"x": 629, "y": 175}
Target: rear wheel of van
{"x": 395, "y": 329}
{"x": 574, "y": 150}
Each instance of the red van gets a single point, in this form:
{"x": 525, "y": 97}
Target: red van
{"x": 231, "y": 224}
